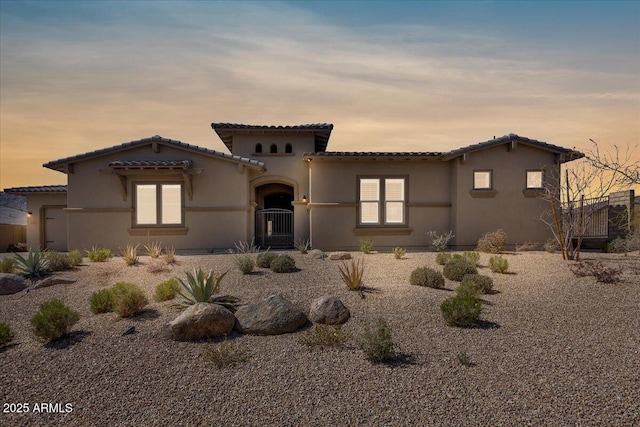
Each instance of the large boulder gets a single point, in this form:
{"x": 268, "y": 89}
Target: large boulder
{"x": 316, "y": 254}
{"x": 11, "y": 284}
{"x": 201, "y": 320}
{"x": 328, "y": 310}
{"x": 54, "y": 280}
{"x": 336, "y": 256}
{"x": 271, "y": 316}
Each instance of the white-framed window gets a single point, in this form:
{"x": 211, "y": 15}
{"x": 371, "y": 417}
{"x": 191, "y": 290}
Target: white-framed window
{"x": 158, "y": 204}
{"x": 534, "y": 179}
{"x": 382, "y": 201}
{"x": 482, "y": 180}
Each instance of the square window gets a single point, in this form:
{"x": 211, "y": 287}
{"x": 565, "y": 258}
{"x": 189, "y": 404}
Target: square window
{"x": 534, "y": 179}
{"x": 482, "y": 180}
{"x": 158, "y": 204}
{"x": 382, "y": 201}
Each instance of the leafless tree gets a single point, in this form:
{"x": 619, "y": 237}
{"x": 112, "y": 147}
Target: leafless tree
{"x": 617, "y": 162}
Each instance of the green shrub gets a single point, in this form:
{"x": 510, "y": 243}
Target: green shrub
{"x": 303, "y": 246}
{"x": 245, "y": 263}
{"x": 425, "y": 276}
{"x": 128, "y": 299}
{"x": 366, "y": 246}
{"x": 498, "y": 264}
{"x": 53, "y": 320}
{"x": 283, "y": 264}
{"x": 264, "y": 259}
{"x": 398, "y": 252}
{"x": 7, "y": 265}
{"x": 324, "y": 336}
{"x": 101, "y": 301}
{"x": 130, "y": 254}
{"x": 472, "y": 257}
{"x": 485, "y": 283}
{"x": 439, "y": 242}
{"x": 99, "y": 254}
{"x": 468, "y": 288}
{"x": 34, "y": 266}
{"x": 225, "y": 354}
{"x": 6, "y": 335}
{"x": 377, "y": 344}
{"x": 75, "y": 257}
{"x": 457, "y": 268}
{"x": 463, "y": 311}
{"x": 493, "y": 243}
{"x": 167, "y": 290}
{"x": 443, "y": 257}
{"x": 57, "y": 261}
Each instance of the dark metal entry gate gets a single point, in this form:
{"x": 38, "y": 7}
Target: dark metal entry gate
{"x": 274, "y": 228}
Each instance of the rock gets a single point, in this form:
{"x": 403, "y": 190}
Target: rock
{"x": 271, "y": 316}
{"x": 328, "y": 310}
{"x": 316, "y": 254}
{"x": 54, "y": 280}
{"x": 201, "y": 320}
{"x": 335, "y": 256}
{"x": 11, "y": 284}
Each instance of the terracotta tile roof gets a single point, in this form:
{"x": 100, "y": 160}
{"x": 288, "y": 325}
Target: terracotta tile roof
{"x": 371, "y": 154}
{"x": 59, "y": 164}
{"x": 37, "y": 189}
{"x": 321, "y": 131}
{"x": 152, "y": 164}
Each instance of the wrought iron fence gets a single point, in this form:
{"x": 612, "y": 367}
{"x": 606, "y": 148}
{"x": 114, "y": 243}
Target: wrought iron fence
{"x": 274, "y": 228}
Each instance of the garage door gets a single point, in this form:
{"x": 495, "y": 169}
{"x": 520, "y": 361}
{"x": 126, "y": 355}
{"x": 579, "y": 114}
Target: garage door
{"x": 55, "y": 228}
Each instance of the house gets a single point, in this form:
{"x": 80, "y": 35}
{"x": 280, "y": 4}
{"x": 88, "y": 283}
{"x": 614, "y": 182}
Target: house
{"x": 13, "y": 220}
{"x": 279, "y": 184}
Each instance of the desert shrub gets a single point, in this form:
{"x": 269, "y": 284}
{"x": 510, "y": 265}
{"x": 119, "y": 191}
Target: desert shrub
{"x": 225, "y": 354}
{"x": 352, "y": 274}
{"x": 303, "y": 246}
{"x": 425, "y": 276}
{"x": 439, "y": 242}
{"x": 377, "y": 343}
{"x": 97, "y": 254}
{"x": 599, "y": 270}
{"x": 244, "y": 247}
{"x": 7, "y": 265}
{"x": 203, "y": 288}
{"x": 75, "y": 257}
{"x": 128, "y": 299}
{"x": 155, "y": 265}
{"x": 464, "y": 359}
{"x": 264, "y": 259}
{"x": 468, "y": 288}
{"x": 6, "y": 335}
{"x": 528, "y": 246}
{"x": 472, "y": 257}
{"x": 153, "y": 249}
{"x": 283, "y": 264}
{"x": 53, "y": 320}
{"x": 166, "y": 290}
{"x": 443, "y": 257}
{"x": 493, "y": 242}
{"x": 624, "y": 245}
{"x": 57, "y": 261}
{"x": 170, "y": 255}
{"x": 366, "y": 246}
{"x": 130, "y": 254}
{"x": 498, "y": 264}
{"x": 101, "y": 301}
{"x": 463, "y": 311}
{"x": 245, "y": 263}
{"x": 457, "y": 268}
{"x": 399, "y": 252}
{"x": 551, "y": 245}
{"x": 485, "y": 283}
{"x": 33, "y": 266}
{"x": 324, "y": 336}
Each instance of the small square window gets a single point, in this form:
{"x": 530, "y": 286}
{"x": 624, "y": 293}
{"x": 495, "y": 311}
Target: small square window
{"x": 482, "y": 180}
{"x": 534, "y": 179}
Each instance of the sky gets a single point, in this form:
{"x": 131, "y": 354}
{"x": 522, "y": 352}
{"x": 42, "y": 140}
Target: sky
{"x": 77, "y": 76}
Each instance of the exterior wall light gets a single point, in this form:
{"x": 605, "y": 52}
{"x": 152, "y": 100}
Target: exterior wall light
{"x": 304, "y": 199}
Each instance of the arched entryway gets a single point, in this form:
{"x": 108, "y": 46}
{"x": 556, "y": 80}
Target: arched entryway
{"x": 274, "y": 215}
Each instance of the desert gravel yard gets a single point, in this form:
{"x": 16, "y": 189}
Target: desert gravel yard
{"x": 552, "y": 350}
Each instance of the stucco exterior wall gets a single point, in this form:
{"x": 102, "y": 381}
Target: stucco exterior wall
{"x": 509, "y": 209}
{"x": 38, "y": 204}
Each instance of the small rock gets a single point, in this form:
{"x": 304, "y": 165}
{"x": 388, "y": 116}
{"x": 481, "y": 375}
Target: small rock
{"x": 11, "y": 284}
{"x": 54, "y": 280}
{"x": 316, "y": 254}
{"x": 271, "y": 316}
{"x": 202, "y": 320}
{"x": 335, "y": 256}
{"x": 328, "y": 310}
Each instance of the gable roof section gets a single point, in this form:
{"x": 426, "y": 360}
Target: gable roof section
{"x": 321, "y": 132}
{"x": 37, "y": 189}
{"x": 60, "y": 164}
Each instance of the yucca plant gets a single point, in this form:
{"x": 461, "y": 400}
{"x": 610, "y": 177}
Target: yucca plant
{"x": 303, "y": 246}
{"x": 170, "y": 255}
{"x": 34, "y": 266}
{"x": 130, "y": 254}
{"x": 352, "y": 275}
{"x": 399, "y": 252}
{"x": 153, "y": 249}
{"x": 202, "y": 288}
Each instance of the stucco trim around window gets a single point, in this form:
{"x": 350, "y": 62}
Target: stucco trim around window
{"x": 482, "y": 194}
{"x": 382, "y": 231}
{"x": 160, "y": 201}
{"x": 155, "y": 231}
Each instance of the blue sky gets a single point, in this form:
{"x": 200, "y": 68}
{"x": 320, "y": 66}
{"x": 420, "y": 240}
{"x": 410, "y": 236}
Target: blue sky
{"x": 425, "y": 76}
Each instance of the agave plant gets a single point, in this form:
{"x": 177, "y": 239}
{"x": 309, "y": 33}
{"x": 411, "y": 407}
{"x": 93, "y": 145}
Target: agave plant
{"x": 203, "y": 288}
{"x": 153, "y": 249}
{"x": 130, "y": 254}
{"x": 353, "y": 274}
{"x": 34, "y": 266}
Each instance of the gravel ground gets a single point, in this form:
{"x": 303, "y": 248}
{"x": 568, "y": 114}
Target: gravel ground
{"x": 553, "y": 350}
